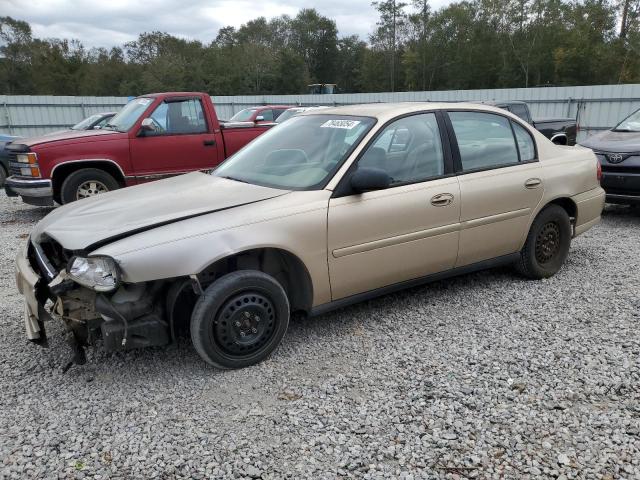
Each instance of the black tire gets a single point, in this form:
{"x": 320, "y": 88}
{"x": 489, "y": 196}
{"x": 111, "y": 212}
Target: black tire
{"x": 3, "y": 175}
{"x": 547, "y": 244}
{"x": 240, "y": 319}
{"x": 98, "y": 181}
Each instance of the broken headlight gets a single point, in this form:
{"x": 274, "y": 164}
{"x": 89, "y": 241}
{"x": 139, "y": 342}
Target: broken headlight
{"x": 98, "y": 273}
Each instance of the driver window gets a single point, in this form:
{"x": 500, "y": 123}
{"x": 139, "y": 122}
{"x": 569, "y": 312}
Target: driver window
{"x": 409, "y": 150}
{"x": 181, "y": 117}
{"x": 267, "y": 115}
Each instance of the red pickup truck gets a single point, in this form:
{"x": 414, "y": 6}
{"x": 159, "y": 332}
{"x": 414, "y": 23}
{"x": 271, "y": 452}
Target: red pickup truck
{"x": 152, "y": 137}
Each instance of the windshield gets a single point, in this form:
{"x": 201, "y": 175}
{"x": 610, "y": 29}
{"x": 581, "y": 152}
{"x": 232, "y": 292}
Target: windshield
{"x": 243, "y": 115}
{"x": 287, "y": 114}
{"x": 129, "y": 115}
{"x": 301, "y": 154}
{"x": 629, "y": 124}
{"x": 86, "y": 123}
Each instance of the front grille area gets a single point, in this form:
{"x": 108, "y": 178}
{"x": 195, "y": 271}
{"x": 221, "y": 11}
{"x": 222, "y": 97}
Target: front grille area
{"x": 48, "y": 258}
{"x": 620, "y": 169}
{"x": 14, "y": 166}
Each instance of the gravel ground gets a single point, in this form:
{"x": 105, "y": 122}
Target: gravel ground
{"x": 483, "y": 376}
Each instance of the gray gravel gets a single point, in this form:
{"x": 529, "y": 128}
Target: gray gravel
{"x": 483, "y": 376}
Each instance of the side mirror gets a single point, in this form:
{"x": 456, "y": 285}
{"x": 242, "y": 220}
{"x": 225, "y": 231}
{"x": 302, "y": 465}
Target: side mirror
{"x": 148, "y": 126}
{"x": 260, "y": 118}
{"x": 365, "y": 179}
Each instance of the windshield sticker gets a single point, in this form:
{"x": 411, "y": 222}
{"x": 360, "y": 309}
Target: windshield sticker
{"x": 144, "y": 101}
{"x": 346, "y": 124}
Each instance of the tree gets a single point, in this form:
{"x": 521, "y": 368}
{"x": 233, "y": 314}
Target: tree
{"x": 389, "y": 28}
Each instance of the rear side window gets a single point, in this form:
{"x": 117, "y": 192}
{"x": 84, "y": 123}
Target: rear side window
{"x": 485, "y": 140}
{"x": 525, "y": 143}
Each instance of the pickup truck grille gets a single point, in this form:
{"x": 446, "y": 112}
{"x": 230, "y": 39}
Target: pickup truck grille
{"x": 14, "y": 166}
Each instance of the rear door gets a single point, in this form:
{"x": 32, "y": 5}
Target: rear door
{"x": 184, "y": 141}
{"x": 406, "y": 231}
{"x": 500, "y": 183}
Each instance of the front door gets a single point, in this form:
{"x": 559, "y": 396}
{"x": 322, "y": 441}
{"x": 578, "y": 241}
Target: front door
{"x": 407, "y": 231}
{"x": 181, "y": 141}
{"x": 500, "y": 183}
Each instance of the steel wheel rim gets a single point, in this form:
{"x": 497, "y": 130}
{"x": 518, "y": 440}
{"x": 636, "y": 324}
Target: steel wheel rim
{"x": 547, "y": 242}
{"x": 90, "y": 188}
{"x": 244, "y": 324}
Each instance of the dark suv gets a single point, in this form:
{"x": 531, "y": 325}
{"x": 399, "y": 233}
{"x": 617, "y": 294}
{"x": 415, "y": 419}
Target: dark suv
{"x": 618, "y": 151}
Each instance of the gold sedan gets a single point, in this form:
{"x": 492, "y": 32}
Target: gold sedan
{"x": 331, "y": 207}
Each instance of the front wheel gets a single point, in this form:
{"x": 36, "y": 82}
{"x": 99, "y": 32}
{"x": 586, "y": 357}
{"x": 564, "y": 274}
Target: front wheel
{"x": 85, "y": 183}
{"x": 547, "y": 245}
{"x": 240, "y": 319}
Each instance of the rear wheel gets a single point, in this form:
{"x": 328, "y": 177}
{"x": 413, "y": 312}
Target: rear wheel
{"x": 240, "y": 319}
{"x": 547, "y": 245}
{"x": 87, "y": 182}
{"x": 3, "y": 175}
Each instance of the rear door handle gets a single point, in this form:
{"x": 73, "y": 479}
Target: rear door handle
{"x": 533, "y": 183}
{"x": 441, "y": 200}
{"x": 209, "y": 143}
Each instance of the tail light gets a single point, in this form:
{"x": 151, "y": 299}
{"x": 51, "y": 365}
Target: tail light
{"x": 599, "y": 171}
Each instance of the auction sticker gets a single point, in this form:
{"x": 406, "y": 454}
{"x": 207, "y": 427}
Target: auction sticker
{"x": 346, "y": 124}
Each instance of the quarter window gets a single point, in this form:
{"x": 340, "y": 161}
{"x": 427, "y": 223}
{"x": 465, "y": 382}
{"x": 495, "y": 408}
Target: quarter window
{"x": 409, "y": 150}
{"x": 485, "y": 140}
{"x": 525, "y": 143}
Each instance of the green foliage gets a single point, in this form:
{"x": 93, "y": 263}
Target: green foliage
{"x": 467, "y": 44}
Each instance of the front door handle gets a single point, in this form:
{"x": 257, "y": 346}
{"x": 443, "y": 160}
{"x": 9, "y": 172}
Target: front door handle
{"x": 210, "y": 143}
{"x": 533, "y": 183}
{"x": 441, "y": 200}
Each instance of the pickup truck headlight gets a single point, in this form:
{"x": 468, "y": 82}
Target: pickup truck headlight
{"x": 97, "y": 273}
{"x": 30, "y": 161}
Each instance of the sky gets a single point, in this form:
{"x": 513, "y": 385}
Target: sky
{"x": 105, "y": 23}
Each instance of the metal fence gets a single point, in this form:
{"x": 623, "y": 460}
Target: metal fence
{"x": 595, "y": 107}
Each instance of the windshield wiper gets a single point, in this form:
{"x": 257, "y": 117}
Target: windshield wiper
{"x": 622, "y": 130}
{"x": 232, "y": 178}
{"x": 111, "y": 126}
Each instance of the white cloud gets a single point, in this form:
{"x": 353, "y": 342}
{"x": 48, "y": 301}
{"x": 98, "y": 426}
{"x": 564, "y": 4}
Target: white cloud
{"x": 113, "y": 22}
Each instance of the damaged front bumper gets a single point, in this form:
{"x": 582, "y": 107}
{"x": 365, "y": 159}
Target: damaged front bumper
{"x": 35, "y": 314}
{"x": 133, "y": 316}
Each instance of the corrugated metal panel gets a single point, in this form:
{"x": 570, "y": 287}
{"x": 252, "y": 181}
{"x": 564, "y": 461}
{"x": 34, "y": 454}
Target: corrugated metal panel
{"x": 597, "y": 107}
{"x": 29, "y": 115}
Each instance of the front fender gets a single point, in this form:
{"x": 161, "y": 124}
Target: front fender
{"x": 297, "y": 225}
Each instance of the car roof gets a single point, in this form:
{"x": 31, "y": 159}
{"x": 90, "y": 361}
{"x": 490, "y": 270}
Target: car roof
{"x": 384, "y": 111}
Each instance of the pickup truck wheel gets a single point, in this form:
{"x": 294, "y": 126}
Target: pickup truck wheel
{"x": 85, "y": 183}
{"x": 240, "y": 319}
{"x": 3, "y": 176}
{"x": 547, "y": 244}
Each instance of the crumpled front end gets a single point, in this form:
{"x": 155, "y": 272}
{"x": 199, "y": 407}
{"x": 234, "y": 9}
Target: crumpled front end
{"x": 130, "y": 316}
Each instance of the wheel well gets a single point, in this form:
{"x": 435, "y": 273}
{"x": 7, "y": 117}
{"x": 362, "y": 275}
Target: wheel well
{"x": 282, "y": 265}
{"x": 64, "y": 170}
{"x": 568, "y": 205}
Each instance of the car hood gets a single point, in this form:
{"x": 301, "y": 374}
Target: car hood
{"x": 611, "y": 141}
{"x": 90, "y": 223}
{"x": 67, "y": 135}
